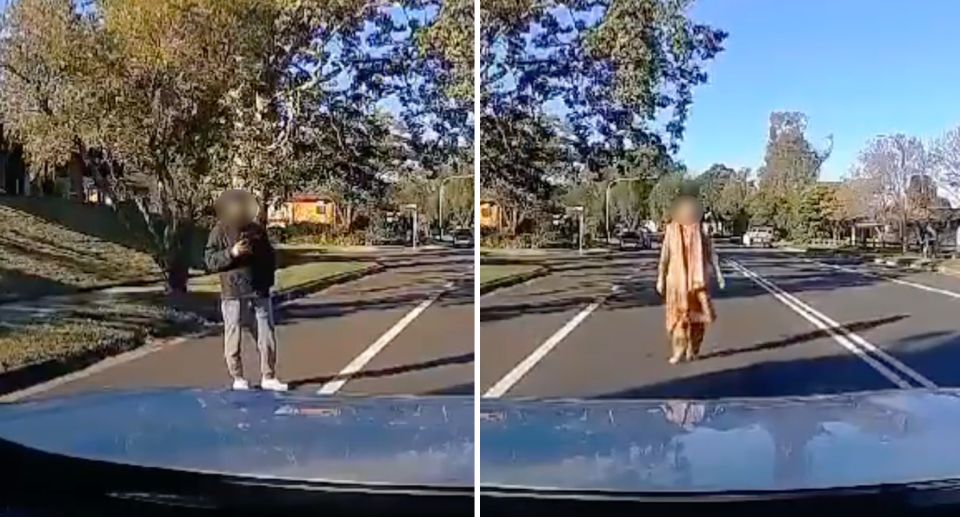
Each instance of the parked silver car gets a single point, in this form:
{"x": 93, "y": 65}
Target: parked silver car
{"x": 634, "y": 240}
{"x": 463, "y": 238}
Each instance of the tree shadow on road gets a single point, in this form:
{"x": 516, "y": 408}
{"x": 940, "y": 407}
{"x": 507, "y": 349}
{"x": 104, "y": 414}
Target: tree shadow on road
{"x": 805, "y": 337}
{"x": 455, "y": 390}
{"x": 639, "y": 289}
{"x": 843, "y": 372}
{"x": 318, "y": 307}
{"x": 440, "y": 362}
{"x": 516, "y": 310}
{"x": 561, "y": 292}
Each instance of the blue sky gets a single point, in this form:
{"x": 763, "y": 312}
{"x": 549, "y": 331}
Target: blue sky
{"x": 857, "y": 68}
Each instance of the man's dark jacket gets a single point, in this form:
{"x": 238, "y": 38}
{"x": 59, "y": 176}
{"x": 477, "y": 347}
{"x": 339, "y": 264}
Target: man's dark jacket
{"x": 245, "y": 276}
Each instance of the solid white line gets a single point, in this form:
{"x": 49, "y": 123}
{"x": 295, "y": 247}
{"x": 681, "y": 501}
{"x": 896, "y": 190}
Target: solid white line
{"x": 842, "y": 335}
{"x": 513, "y": 377}
{"x": 907, "y": 283}
{"x": 367, "y": 355}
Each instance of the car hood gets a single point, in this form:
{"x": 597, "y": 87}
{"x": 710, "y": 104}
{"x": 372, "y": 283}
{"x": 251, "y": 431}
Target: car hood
{"x": 855, "y": 440}
{"x": 422, "y": 441}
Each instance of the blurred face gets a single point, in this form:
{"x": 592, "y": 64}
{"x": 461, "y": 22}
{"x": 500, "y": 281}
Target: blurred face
{"x": 687, "y": 211}
{"x": 235, "y": 211}
{"x": 241, "y": 209}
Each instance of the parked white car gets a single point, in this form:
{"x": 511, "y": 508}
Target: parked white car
{"x": 759, "y": 236}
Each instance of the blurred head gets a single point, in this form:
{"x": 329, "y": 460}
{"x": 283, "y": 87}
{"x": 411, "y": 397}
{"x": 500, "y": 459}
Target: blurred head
{"x": 687, "y": 210}
{"x": 237, "y": 207}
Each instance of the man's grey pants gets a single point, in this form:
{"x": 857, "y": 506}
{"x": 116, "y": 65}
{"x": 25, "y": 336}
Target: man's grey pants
{"x": 265, "y": 334}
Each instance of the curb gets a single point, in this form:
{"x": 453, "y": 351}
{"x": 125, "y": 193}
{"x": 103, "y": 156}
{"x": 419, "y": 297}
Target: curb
{"x": 544, "y": 254}
{"x": 86, "y": 290}
{"x": 309, "y": 288}
{"x": 23, "y": 382}
{"x": 888, "y": 264}
{"x": 948, "y": 272}
{"x": 511, "y": 280}
{"x": 373, "y": 250}
{"x": 912, "y": 266}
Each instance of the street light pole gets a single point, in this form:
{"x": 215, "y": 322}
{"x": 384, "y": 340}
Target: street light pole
{"x": 413, "y": 207}
{"x": 580, "y": 224}
{"x": 440, "y": 204}
{"x": 579, "y": 211}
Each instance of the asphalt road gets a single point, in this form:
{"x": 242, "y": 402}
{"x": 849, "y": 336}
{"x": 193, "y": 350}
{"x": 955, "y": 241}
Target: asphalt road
{"x": 786, "y": 326}
{"x": 407, "y": 330}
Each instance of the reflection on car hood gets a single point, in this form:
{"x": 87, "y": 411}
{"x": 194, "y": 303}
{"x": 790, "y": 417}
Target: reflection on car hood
{"x": 423, "y": 441}
{"x": 721, "y": 446}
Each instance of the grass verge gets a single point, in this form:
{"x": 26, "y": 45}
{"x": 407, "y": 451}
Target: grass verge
{"x": 44, "y": 340}
{"x": 38, "y": 343}
{"x": 497, "y": 276}
{"x": 56, "y": 246}
{"x": 289, "y": 277}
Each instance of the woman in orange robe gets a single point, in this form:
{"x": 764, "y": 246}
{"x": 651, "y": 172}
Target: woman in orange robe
{"x": 687, "y": 263}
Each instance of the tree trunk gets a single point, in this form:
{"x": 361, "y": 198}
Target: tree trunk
{"x": 262, "y": 213}
{"x": 903, "y": 234}
{"x": 177, "y": 256}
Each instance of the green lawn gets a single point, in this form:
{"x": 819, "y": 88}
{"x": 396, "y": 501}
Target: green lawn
{"x": 288, "y": 277}
{"x": 97, "y": 325}
{"x": 491, "y": 272}
{"x": 89, "y": 327}
{"x": 327, "y": 248}
{"x": 53, "y": 246}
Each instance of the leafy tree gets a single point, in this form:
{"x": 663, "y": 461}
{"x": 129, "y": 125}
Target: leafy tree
{"x": 732, "y": 201}
{"x": 712, "y": 183}
{"x": 639, "y": 169}
{"x": 424, "y": 191}
{"x": 813, "y": 211}
{"x": 850, "y": 202}
{"x": 131, "y": 92}
{"x": 451, "y": 38}
{"x": 791, "y": 165}
{"x": 664, "y": 193}
{"x": 763, "y": 208}
{"x": 610, "y": 70}
{"x": 164, "y": 103}
{"x": 517, "y": 163}
{"x": 347, "y": 162}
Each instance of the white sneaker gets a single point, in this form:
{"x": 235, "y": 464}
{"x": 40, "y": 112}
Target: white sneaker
{"x": 273, "y": 385}
{"x": 241, "y": 384}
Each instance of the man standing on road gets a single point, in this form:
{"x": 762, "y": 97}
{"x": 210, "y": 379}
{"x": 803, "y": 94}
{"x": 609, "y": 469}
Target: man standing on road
{"x": 239, "y": 249}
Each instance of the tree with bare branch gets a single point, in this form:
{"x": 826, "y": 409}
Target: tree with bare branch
{"x": 889, "y": 165}
{"x": 945, "y": 153}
